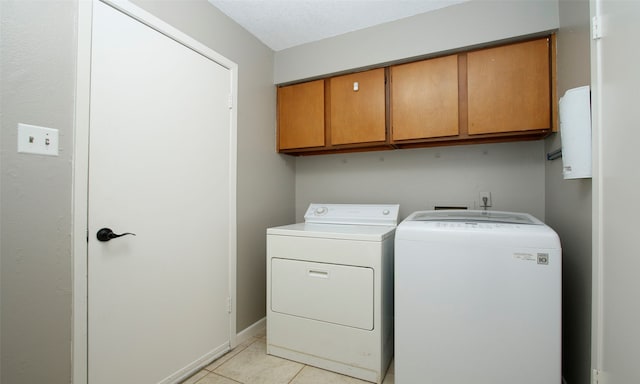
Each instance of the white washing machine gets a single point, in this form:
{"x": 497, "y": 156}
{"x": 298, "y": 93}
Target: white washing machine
{"x": 477, "y": 299}
{"x": 330, "y": 289}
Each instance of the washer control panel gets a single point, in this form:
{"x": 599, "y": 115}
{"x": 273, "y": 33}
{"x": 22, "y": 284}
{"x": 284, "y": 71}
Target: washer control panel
{"x": 354, "y": 214}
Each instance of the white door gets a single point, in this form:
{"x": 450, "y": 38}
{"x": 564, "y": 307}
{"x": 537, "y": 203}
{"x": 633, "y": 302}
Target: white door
{"x": 160, "y": 168}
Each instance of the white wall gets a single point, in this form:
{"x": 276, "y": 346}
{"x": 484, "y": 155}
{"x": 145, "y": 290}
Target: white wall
{"x": 418, "y": 179}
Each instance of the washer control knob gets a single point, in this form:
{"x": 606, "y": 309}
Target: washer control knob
{"x": 386, "y": 212}
{"x": 321, "y": 211}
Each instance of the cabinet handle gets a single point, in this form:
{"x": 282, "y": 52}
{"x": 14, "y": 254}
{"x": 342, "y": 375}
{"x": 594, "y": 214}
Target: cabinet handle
{"x": 318, "y": 273}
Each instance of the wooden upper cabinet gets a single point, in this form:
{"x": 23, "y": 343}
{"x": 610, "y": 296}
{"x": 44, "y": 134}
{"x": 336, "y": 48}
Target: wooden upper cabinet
{"x": 424, "y": 99}
{"x": 501, "y": 93}
{"x": 357, "y": 108}
{"x": 301, "y": 115}
{"x": 509, "y": 88}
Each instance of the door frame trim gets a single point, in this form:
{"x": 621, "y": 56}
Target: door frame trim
{"x": 80, "y": 166}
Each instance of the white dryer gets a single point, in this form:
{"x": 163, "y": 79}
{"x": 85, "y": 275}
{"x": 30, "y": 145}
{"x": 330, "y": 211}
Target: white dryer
{"x": 330, "y": 289}
{"x": 477, "y": 299}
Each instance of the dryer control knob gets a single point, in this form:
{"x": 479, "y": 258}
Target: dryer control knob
{"x": 321, "y": 211}
{"x": 386, "y": 212}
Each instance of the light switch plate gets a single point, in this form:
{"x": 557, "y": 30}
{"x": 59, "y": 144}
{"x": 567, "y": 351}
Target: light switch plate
{"x": 37, "y": 140}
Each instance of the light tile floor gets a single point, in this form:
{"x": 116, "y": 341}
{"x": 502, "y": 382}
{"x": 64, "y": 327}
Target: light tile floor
{"x": 249, "y": 363}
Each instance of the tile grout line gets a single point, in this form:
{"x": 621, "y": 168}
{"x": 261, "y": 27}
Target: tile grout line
{"x": 297, "y": 374}
{"x": 246, "y": 345}
{"x": 237, "y": 350}
{"x": 219, "y": 375}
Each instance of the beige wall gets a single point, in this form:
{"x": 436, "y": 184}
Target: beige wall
{"x": 568, "y": 208}
{"x": 38, "y": 84}
{"x": 418, "y": 179}
{"x": 463, "y": 25}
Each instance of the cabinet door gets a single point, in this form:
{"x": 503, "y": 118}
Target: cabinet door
{"x": 358, "y": 107}
{"x": 301, "y": 115}
{"x": 509, "y": 88}
{"x": 424, "y": 99}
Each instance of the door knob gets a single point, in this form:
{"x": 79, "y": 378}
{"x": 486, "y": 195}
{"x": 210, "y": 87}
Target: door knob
{"x": 106, "y": 234}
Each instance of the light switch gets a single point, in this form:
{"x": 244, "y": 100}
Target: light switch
{"x": 37, "y": 140}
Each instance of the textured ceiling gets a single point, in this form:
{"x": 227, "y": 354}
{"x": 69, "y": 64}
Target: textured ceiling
{"x": 282, "y": 24}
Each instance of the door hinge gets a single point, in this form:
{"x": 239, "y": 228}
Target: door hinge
{"x": 87, "y": 233}
{"x": 598, "y": 377}
{"x": 229, "y": 305}
{"x": 596, "y": 28}
{"x": 230, "y": 101}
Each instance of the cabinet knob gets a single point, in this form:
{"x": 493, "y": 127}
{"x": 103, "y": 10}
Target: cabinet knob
{"x": 356, "y": 86}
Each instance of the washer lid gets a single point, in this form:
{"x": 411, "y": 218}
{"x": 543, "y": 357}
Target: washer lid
{"x": 353, "y": 214}
{"x": 475, "y": 217}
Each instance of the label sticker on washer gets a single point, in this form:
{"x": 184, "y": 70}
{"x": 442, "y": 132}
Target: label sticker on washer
{"x": 543, "y": 258}
{"x": 525, "y": 256}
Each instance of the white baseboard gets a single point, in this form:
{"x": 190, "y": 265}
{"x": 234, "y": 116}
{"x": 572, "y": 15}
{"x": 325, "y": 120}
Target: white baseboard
{"x": 253, "y": 330}
{"x": 195, "y": 366}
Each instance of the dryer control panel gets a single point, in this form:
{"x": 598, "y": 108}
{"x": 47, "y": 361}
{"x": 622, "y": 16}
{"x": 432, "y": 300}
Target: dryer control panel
{"x": 353, "y": 214}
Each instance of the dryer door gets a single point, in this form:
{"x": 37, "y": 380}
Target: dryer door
{"x": 339, "y": 294}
